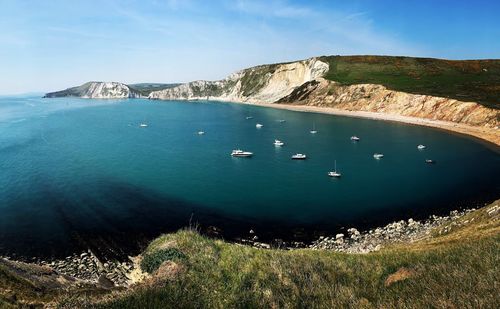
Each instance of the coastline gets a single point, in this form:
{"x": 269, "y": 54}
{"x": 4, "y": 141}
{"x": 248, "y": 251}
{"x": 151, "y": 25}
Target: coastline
{"x": 490, "y": 135}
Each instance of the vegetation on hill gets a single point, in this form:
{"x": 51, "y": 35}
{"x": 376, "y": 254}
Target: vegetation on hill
{"x": 464, "y": 80}
{"x": 146, "y": 88}
{"x": 455, "y": 268}
{"x": 77, "y": 91}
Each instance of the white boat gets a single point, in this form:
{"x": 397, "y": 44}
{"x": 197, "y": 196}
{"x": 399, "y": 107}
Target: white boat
{"x": 248, "y": 117}
{"x": 143, "y": 125}
{"x": 201, "y": 132}
{"x": 355, "y": 138}
{"x": 334, "y": 173}
{"x": 378, "y": 155}
{"x": 430, "y": 161}
{"x": 299, "y": 156}
{"x": 421, "y": 147}
{"x": 313, "y": 131}
{"x": 277, "y": 142}
{"x": 241, "y": 153}
{"x": 258, "y": 126}
{"x": 281, "y": 120}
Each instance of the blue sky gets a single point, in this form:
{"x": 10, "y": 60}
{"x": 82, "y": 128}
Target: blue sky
{"x": 51, "y": 45}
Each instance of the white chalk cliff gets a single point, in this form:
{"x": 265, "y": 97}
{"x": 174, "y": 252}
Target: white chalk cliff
{"x": 97, "y": 90}
{"x": 301, "y": 82}
{"x": 267, "y": 83}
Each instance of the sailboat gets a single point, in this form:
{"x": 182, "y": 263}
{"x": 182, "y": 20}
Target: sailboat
{"x": 334, "y": 173}
{"x": 313, "y": 131}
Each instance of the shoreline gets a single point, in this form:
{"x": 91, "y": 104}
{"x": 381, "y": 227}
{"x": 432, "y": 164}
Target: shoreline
{"x": 489, "y": 135}
{"x": 86, "y": 267}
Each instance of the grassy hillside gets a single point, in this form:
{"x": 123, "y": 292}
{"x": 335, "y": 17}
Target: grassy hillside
{"x": 457, "y": 269}
{"x": 146, "y": 88}
{"x": 77, "y": 91}
{"x": 465, "y": 80}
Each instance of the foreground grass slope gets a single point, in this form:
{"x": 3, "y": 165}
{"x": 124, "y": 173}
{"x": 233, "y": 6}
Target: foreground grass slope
{"x": 455, "y": 268}
{"x": 464, "y": 80}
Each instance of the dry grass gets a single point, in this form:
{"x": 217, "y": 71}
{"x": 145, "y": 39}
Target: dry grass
{"x": 455, "y": 270}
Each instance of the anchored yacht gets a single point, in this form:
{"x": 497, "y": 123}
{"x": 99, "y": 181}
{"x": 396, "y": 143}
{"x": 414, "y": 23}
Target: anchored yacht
{"x": 355, "y": 138}
{"x": 241, "y": 153}
{"x": 299, "y": 156}
{"x": 421, "y": 147}
{"x": 277, "y": 142}
{"x": 258, "y": 126}
{"x": 313, "y": 131}
{"x": 378, "y": 156}
{"x": 334, "y": 173}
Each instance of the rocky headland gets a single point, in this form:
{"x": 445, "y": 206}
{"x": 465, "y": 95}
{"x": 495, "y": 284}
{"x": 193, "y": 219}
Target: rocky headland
{"x": 460, "y": 96}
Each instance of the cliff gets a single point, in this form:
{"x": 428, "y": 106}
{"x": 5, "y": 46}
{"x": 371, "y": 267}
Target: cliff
{"x": 417, "y": 87}
{"x": 464, "y": 92}
{"x": 109, "y": 90}
{"x": 265, "y": 83}
{"x": 377, "y": 98}
{"x": 97, "y": 90}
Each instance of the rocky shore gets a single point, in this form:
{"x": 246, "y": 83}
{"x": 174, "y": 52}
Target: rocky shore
{"x": 403, "y": 231}
{"x": 86, "y": 266}
{"x": 354, "y": 241}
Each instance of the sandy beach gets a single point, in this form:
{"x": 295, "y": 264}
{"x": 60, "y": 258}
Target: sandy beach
{"x": 489, "y": 135}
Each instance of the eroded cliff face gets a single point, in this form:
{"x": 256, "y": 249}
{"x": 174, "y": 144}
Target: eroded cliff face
{"x": 266, "y": 83}
{"x": 302, "y": 83}
{"x": 377, "y": 98}
{"x": 106, "y": 90}
{"x": 97, "y": 90}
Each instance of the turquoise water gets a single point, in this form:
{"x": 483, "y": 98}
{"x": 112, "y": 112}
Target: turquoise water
{"x": 82, "y": 173}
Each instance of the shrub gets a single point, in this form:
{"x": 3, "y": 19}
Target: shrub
{"x": 152, "y": 261}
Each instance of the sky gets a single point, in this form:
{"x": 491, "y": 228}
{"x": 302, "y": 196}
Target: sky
{"x": 55, "y": 44}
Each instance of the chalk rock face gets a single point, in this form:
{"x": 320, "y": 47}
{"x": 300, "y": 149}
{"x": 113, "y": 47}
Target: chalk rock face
{"x": 265, "y": 83}
{"x": 97, "y": 90}
{"x": 106, "y": 90}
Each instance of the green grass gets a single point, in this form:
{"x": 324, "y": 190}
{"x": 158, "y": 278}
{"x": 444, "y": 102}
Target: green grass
{"x": 146, "y": 88}
{"x": 465, "y": 80}
{"x": 456, "y": 270}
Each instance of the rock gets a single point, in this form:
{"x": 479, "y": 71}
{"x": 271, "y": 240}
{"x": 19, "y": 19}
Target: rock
{"x": 339, "y": 236}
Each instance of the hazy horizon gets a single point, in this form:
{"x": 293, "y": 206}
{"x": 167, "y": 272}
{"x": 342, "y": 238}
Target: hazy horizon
{"x": 52, "y": 46}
